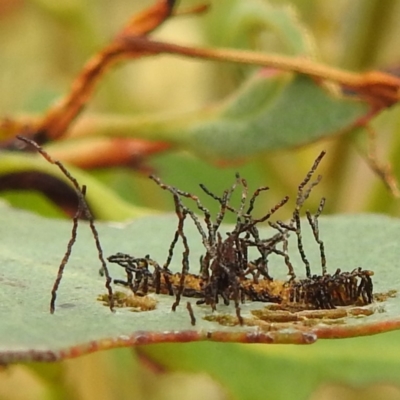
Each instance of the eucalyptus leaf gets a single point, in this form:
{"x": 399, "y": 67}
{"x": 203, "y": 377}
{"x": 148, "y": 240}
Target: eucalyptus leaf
{"x": 234, "y": 23}
{"x": 266, "y": 115}
{"x": 269, "y": 112}
{"x": 104, "y": 203}
{"x": 31, "y": 248}
{"x": 261, "y": 372}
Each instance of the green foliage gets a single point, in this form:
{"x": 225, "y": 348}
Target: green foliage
{"x": 287, "y": 372}
{"x": 263, "y": 115}
{"x": 104, "y": 203}
{"x": 240, "y": 23}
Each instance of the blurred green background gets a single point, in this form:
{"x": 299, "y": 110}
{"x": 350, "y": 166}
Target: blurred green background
{"x": 43, "y": 46}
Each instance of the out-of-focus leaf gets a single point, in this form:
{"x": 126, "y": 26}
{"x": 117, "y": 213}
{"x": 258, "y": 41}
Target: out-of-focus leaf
{"x": 266, "y": 115}
{"x": 104, "y": 203}
{"x": 270, "y": 112}
{"x": 261, "y": 372}
{"x": 235, "y": 23}
{"x": 31, "y": 249}
{"x": 32, "y": 201}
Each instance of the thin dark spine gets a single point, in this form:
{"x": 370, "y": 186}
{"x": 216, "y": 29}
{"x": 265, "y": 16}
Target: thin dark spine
{"x": 311, "y": 172}
{"x": 224, "y": 200}
{"x": 185, "y": 261}
{"x": 284, "y": 235}
{"x": 171, "y": 250}
{"x": 130, "y": 265}
{"x": 313, "y": 221}
{"x": 168, "y": 283}
{"x": 254, "y": 197}
{"x": 300, "y": 243}
{"x": 368, "y": 286}
{"x": 206, "y": 242}
{"x": 242, "y": 254}
{"x": 191, "y": 313}
{"x": 129, "y": 280}
{"x": 238, "y": 314}
{"x": 272, "y": 211}
{"x": 100, "y": 254}
{"x": 218, "y": 198}
{"x": 285, "y": 256}
{"x": 177, "y": 193}
{"x": 302, "y": 196}
{"x": 224, "y": 204}
{"x": 243, "y": 197}
{"x": 287, "y": 259}
{"x": 221, "y": 214}
{"x": 182, "y": 211}
{"x": 240, "y": 220}
{"x": 65, "y": 259}
{"x": 207, "y": 220}
{"x": 156, "y": 277}
{"x": 145, "y": 285}
{"x": 208, "y": 191}
{"x": 237, "y": 298}
{"x": 205, "y": 266}
{"x": 263, "y": 250}
{"x": 265, "y": 247}
{"x": 83, "y": 208}
{"x": 206, "y": 212}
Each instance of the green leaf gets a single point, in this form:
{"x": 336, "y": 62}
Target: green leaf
{"x": 104, "y": 203}
{"x": 235, "y": 23}
{"x": 268, "y": 115}
{"x": 32, "y": 247}
{"x": 270, "y": 112}
{"x": 261, "y": 372}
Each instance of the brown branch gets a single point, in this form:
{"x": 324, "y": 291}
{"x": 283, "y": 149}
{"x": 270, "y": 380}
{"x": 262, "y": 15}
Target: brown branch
{"x": 106, "y": 152}
{"x": 378, "y": 88}
{"x": 198, "y": 9}
{"x": 382, "y": 170}
{"x": 58, "y": 118}
{"x": 149, "y": 19}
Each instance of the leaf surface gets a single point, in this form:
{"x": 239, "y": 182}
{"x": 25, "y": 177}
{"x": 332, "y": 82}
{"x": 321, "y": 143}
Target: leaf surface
{"x": 31, "y": 248}
{"x": 271, "y": 111}
{"x": 234, "y": 23}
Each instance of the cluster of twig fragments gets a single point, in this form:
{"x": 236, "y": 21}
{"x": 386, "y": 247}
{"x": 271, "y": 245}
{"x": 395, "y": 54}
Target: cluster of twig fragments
{"x": 226, "y": 272}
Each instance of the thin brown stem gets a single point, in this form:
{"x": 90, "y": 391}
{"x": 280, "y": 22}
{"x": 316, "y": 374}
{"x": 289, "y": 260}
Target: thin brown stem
{"x": 379, "y": 88}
